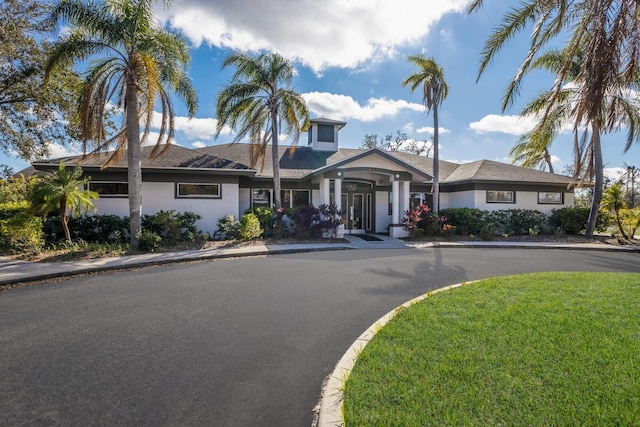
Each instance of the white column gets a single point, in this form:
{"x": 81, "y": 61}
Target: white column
{"x": 395, "y": 202}
{"x": 325, "y": 191}
{"x": 406, "y": 192}
{"x": 338, "y": 192}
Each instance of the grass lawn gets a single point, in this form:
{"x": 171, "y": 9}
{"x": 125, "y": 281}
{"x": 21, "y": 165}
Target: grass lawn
{"x": 536, "y": 349}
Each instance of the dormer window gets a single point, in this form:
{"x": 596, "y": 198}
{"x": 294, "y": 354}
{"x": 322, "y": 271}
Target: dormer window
{"x": 323, "y": 134}
{"x": 326, "y": 133}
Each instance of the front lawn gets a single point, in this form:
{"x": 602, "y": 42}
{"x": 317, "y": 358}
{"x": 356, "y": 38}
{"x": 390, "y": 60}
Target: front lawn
{"x": 538, "y": 349}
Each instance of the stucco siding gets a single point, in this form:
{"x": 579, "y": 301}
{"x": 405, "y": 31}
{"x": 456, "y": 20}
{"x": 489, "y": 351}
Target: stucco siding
{"x": 383, "y": 219}
{"x": 460, "y": 199}
{"x": 524, "y": 200}
{"x": 245, "y": 199}
{"x": 157, "y": 196}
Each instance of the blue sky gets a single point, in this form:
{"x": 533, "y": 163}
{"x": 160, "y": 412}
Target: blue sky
{"x": 350, "y": 59}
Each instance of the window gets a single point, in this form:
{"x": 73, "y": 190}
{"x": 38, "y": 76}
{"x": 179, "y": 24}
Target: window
{"x": 501, "y": 197}
{"x": 325, "y": 133}
{"x": 417, "y": 199}
{"x": 548, "y": 198}
{"x": 110, "y": 189}
{"x": 204, "y": 191}
{"x": 260, "y": 197}
{"x": 295, "y": 198}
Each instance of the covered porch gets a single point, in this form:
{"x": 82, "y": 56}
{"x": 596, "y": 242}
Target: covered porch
{"x": 373, "y": 191}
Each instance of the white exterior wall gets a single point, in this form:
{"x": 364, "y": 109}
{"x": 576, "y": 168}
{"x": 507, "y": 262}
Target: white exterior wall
{"x": 315, "y": 197}
{"x": 111, "y": 206}
{"x": 524, "y": 200}
{"x": 157, "y": 196}
{"x": 383, "y": 219}
{"x": 245, "y": 200}
{"x": 460, "y": 199}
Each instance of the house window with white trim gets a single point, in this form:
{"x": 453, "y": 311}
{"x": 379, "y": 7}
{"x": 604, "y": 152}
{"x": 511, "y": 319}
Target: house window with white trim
{"x": 261, "y": 198}
{"x": 109, "y": 188}
{"x": 501, "y": 196}
{"x": 198, "y": 191}
{"x": 550, "y": 198}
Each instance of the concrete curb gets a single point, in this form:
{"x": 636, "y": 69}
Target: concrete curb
{"x": 330, "y": 406}
{"x": 70, "y": 269}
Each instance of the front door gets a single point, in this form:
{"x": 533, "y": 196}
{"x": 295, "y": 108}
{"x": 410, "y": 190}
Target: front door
{"x": 354, "y": 212}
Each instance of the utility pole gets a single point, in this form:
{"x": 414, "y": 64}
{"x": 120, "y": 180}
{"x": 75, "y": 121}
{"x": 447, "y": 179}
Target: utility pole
{"x": 631, "y": 171}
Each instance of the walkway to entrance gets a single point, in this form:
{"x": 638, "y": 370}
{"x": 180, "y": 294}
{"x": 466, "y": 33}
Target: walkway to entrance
{"x": 382, "y": 241}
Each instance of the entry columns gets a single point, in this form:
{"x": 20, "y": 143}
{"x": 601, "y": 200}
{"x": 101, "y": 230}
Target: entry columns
{"x": 395, "y": 202}
{"x": 406, "y": 193}
{"x": 338, "y": 192}
{"x": 325, "y": 191}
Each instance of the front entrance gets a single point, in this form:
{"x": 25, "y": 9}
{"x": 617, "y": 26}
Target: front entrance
{"x": 356, "y": 212}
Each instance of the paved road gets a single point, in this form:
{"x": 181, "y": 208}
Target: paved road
{"x": 243, "y": 342}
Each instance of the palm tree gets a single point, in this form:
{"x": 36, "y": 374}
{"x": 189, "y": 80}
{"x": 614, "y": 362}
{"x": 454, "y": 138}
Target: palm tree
{"x": 257, "y": 101}
{"x": 607, "y": 35}
{"x": 613, "y": 202}
{"x": 62, "y": 189}
{"x": 135, "y": 64}
{"x": 430, "y": 77}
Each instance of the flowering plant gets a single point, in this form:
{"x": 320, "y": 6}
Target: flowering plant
{"x": 422, "y": 218}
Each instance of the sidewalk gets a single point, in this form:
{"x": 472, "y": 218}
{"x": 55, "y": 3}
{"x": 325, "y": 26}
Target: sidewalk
{"x": 14, "y": 271}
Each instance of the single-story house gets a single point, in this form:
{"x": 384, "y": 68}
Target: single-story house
{"x": 372, "y": 187}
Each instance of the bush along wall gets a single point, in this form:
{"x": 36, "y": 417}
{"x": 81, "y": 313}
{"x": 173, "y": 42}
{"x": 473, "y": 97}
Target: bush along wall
{"x": 487, "y": 224}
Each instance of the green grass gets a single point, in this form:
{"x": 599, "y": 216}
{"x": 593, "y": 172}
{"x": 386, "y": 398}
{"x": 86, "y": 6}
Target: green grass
{"x": 538, "y": 349}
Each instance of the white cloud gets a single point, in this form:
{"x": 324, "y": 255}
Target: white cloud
{"x": 513, "y": 125}
{"x": 343, "y": 107}
{"x": 198, "y": 144}
{"x": 58, "y": 150}
{"x": 430, "y": 129}
{"x": 194, "y": 128}
{"x": 341, "y": 33}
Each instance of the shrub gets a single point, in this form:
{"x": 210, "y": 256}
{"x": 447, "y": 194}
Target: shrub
{"x": 100, "y": 228}
{"x": 250, "y": 227}
{"x": 172, "y": 226}
{"x": 569, "y": 220}
{"x": 11, "y": 209}
{"x": 303, "y": 217}
{"x": 22, "y": 232}
{"x": 424, "y": 219}
{"x": 228, "y": 228}
{"x": 327, "y": 220}
{"x": 466, "y": 220}
{"x": 148, "y": 241}
{"x": 265, "y": 216}
{"x": 523, "y": 221}
{"x": 516, "y": 221}
{"x": 487, "y": 232}
{"x": 630, "y": 221}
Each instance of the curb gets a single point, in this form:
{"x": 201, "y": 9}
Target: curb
{"x": 124, "y": 264}
{"x": 330, "y": 406}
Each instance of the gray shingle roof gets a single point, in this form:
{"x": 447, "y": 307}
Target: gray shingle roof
{"x": 487, "y": 170}
{"x": 298, "y": 162}
{"x": 174, "y": 157}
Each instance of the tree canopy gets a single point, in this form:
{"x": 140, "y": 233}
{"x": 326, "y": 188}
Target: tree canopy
{"x": 32, "y": 115}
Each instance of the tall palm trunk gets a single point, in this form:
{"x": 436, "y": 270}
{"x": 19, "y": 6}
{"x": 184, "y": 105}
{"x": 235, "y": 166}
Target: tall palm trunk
{"x": 599, "y": 178}
{"x": 133, "y": 161}
{"x": 436, "y": 163}
{"x": 275, "y": 155}
{"x": 63, "y": 218}
{"x": 547, "y": 159}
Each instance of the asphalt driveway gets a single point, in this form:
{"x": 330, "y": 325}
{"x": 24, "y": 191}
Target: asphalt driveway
{"x": 226, "y": 343}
